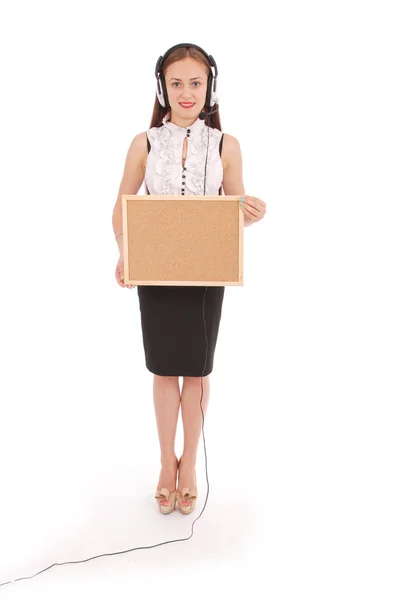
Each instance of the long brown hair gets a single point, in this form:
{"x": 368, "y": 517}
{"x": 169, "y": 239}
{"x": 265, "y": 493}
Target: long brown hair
{"x": 159, "y": 111}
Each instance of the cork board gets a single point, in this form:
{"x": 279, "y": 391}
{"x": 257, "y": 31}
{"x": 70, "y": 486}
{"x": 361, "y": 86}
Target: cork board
{"x": 183, "y": 240}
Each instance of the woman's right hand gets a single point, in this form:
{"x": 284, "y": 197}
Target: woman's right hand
{"x": 120, "y": 274}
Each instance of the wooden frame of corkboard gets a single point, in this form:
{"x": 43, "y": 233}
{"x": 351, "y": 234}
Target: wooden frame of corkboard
{"x": 183, "y": 240}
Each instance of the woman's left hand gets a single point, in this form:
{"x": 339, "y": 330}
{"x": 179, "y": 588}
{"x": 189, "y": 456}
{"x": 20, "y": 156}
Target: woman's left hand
{"x": 254, "y": 209}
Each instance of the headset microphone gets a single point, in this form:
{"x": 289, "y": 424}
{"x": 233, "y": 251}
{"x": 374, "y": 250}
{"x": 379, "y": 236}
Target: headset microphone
{"x": 203, "y": 114}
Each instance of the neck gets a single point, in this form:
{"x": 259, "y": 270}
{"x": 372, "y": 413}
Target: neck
{"x": 181, "y": 122}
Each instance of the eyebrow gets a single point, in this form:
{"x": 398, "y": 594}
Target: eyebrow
{"x": 192, "y": 78}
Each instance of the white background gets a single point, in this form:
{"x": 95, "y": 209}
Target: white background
{"x": 303, "y": 430}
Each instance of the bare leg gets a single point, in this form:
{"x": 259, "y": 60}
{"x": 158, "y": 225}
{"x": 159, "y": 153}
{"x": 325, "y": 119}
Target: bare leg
{"x": 192, "y": 424}
{"x": 166, "y": 399}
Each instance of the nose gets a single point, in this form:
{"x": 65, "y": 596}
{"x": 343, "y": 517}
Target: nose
{"x": 187, "y": 98}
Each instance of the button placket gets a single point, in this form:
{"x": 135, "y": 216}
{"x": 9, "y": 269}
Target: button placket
{"x": 184, "y": 168}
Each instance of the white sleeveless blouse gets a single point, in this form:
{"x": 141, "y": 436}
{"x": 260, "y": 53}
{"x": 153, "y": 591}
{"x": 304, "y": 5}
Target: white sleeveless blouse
{"x": 164, "y": 172}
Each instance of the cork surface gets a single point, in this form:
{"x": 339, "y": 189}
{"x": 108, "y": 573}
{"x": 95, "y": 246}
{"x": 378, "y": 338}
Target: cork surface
{"x": 183, "y": 240}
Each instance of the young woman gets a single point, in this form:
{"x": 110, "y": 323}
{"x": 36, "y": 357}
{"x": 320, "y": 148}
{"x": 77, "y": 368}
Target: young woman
{"x": 170, "y": 157}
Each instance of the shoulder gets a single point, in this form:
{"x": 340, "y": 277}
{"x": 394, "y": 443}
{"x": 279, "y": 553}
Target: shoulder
{"x": 139, "y": 145}
{"x": 230, "y": 151}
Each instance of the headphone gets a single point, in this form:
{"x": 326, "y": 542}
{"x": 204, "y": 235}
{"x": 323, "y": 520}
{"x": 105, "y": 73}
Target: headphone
{"x": 211, "y": 100}
{"x": 211, "y": 95}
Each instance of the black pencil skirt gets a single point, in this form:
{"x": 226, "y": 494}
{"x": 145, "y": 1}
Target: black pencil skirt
{"x": 173, "y": 328}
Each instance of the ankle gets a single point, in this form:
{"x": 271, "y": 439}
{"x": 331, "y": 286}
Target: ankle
{"x": 188, "y": 461}
{"x": 168, "y": 462}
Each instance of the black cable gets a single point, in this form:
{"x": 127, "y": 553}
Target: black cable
{"x": 204, "y": 443}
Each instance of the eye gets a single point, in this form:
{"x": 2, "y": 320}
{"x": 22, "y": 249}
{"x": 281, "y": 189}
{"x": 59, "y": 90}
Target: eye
{"x": 174, "y": 82}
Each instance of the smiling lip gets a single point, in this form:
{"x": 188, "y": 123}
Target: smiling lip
{"x": 185, "y": 105}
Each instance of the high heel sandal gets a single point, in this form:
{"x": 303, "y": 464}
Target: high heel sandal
{"x": 188, "y": 496}
{"x": 164, "y": 494}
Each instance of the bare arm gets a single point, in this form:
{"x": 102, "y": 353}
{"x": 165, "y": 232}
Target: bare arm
{"x": 232, "y": 179}
{"x": 133, "y": 176}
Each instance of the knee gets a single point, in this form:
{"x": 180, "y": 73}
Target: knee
{"x": 166, "y": 378}
{"x": 196, "y": 380}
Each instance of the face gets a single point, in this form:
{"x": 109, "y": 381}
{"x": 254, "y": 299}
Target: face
{"x": 186, "y": 81}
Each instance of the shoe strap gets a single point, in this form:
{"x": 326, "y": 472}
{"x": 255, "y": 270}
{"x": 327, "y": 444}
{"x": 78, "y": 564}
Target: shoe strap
{"x": 187, "y": 493}
{"x": 163, "y": 493}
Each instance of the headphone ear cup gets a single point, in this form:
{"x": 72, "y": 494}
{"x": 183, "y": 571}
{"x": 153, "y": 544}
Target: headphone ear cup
{"x": 213, "y": 90}
{"x": 159, "y": 92}
{"x": 215, "y": 98}
{"x": 209, "y": 91}
{"x": 164, "y": 93}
